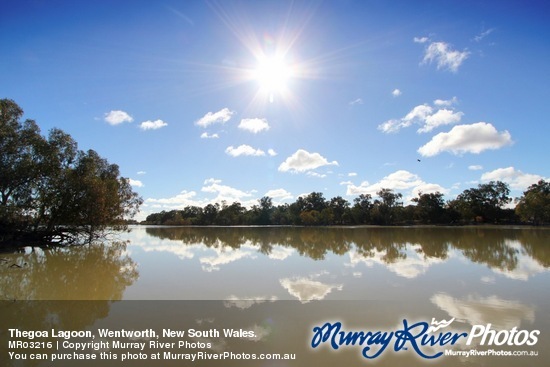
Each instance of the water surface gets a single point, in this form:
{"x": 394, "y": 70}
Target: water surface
{"x": 476, "y": 275}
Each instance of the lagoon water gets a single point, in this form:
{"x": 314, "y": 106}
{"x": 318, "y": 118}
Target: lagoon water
{"x": 369, "y": 277}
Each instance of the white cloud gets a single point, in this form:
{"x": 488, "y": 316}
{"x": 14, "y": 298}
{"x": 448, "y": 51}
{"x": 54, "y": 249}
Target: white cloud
{"x": 136, "y": 183}
{"x": 397, "y": 180}
{"x": 445, "y": 57}
{"x": 440, "y": 118}
{"x": 420, "y": 112}
{"x": 212, "y": 181}
{"x": 303, "y": 160}
{"x": 364, "y": 188}
{"x": 224, "y": 192}
{"x": 141, "y": 172}
{"x": 515, "y": 178}
{"x": 421, "y": 39}
{"x": 392, "y": 126}
{"x": 356, "y": 101}
{"x": 474, "y": 138}
{"x": 118, "y": 117}
{"x": 244, "y": 149}
{"x": 483, "y": 34}
{"x": 279, "y": 194}
{"x": 271, "y": 152}
{"x": 401, "y": 181}
{"x": 205, "y": 135}
{"x": 220, "y": 117}
{"x": 425, "y": 115}
{"x": 352, "y": 174}
{"x": 152, "y": 125}
{"x": 475, "y": 167}
{"x": 315, "y": 174}
{"x": 396, "y": 93}
{"x": 254, "y": 125}
{"x": 426, "y": 188}
{"x": 446, "y": 103}
{"x": 183, "y": 199}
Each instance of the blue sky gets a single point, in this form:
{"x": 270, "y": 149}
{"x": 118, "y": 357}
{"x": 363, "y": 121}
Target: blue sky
{"x": 204, "y": 101}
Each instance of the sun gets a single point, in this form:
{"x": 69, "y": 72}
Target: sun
{"x": 273, "y": 75}
{"x": 272, "y": 65}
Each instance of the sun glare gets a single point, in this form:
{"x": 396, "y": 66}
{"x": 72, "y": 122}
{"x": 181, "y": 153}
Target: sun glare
{"x": 273, "y": 68}
{"x": 273, "y": 75}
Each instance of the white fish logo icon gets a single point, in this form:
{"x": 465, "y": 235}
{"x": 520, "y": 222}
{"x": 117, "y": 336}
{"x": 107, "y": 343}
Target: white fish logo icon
{"x": 436, "y": 325}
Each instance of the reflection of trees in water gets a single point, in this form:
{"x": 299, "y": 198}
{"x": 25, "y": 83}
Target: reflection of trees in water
{"x": 490, "y": 248}
{"x": 87, "y": 272}
{"x": 312, "y": 242}
{"x": 370, "y": 241}
{"x": 92, "y": 272}
{"x": 537, "y": 245}
{"x": 335, "y": 240}
{"x": 493, "y": 246}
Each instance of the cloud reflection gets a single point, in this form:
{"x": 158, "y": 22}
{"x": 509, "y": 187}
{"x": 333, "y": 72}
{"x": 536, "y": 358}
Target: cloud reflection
{"x": 412, "y": 264}
{"x": 307, "y": 290}
{"x": 281, "y": 253}
{"x": 526, "y": 265}
{"x": 224, "y": 256}
{"x": 247, "y": 302}
{"x": 502, "y": 314}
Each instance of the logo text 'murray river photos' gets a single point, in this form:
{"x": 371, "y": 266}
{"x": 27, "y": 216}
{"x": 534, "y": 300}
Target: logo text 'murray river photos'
{"x": 417, "y": 337}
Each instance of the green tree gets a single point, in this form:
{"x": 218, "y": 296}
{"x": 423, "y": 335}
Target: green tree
{"x": 386, "y": 209}
{"x": 282, "y": 215}
{"x": 265, "y": 210}
{"x": 340, "y": 209}
{"x": 192, "y": 214}
{"x": 484, "y": 203}
{"x": 315, "y": 201}
{"x": 231, "y": 214}
{"x": 310, "y": 217}
{"x": 534, "y": 205}
{"x": 21, "y": 165}
{"x": 50, "y": 189}
{"x": 430, "y": 208}
{"x": 209, "y": 214}
{"x": 295, "y": 209}
{"x": 362, "y": 206}
{"x": 307, "y": 209}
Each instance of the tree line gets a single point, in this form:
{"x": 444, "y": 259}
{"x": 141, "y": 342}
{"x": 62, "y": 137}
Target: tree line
{"x": 485, "y": 203}
{"x": 52, "y": 192}
{"x": 498, "y": 250}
